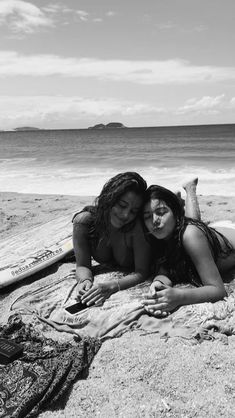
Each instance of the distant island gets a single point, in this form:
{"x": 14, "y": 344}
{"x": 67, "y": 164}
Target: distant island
{"x": 27, "y": 128}
{"x": 110, "y": 125}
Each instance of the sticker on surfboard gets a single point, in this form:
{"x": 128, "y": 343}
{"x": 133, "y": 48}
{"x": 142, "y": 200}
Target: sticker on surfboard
{"x": 39, "y": 247}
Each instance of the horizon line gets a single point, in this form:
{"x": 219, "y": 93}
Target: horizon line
{"x": 21, "y": 129}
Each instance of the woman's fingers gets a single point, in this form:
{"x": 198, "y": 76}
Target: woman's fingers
{"x": 81, "y": 292}
{"x": 156, "y": 287}
{"x": 152, "y": 301}
{"x": 95, "y": 295}
{"x": 88, "y": 296}
{"x": 91, "y": 291}
{"x": 100, "y": 301}
{"x": 156, "y": 306}
{"x": 147, "y": 296}
{"x": 157, "y": 312}
{"x": 153, "y": 312}
{"x": 83, "y": 287}
{"x": 93, "y": 299}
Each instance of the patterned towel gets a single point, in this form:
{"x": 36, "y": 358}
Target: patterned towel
{"x": 43, "y": 374}
{"x": 44, "y": 305}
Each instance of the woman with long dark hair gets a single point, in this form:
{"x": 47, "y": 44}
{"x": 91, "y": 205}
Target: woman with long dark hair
{"x": 187, "y": 251}
{"x": 112, "y": 233}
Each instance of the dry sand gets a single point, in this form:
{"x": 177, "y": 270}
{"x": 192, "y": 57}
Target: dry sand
{"x": 140, "y": 375}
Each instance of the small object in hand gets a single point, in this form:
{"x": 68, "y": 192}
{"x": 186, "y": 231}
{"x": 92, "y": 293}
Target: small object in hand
{"x": 9, "y": 351}
{"x": 76, "y": 307}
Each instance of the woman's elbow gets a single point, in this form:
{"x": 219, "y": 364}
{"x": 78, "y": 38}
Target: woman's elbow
{"x": 223, "y": 293}
{"x": 219, "y": 294}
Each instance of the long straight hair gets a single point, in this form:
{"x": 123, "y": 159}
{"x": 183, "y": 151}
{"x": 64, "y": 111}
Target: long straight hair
{"x": 174, "y": 254}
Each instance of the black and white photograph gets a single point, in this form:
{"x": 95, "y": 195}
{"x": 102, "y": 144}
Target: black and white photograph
{"x": 117, "y": 210}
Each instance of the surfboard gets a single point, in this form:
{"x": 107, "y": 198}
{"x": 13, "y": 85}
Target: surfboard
{"x": 26, "y": 253}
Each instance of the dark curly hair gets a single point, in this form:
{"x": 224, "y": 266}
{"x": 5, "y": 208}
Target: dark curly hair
{"x": 173, "y": 256}
{"x": 110, "y": 194}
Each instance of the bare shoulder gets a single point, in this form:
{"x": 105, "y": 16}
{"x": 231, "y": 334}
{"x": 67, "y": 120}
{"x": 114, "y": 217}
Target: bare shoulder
{"x": 192, "y": 235}
{"x": 83, "y": 218}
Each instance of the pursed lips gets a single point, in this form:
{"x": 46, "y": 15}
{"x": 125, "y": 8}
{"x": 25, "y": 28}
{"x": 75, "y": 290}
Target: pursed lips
{"x": 157, "y": 228}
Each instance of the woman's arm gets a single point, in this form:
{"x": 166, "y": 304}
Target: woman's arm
{"x": 82, "y": 254}
{"x": 142, "y": 259}
{"x": 197, "y": 247}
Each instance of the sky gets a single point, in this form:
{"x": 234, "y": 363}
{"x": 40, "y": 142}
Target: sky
{"x": 72, "y": 64}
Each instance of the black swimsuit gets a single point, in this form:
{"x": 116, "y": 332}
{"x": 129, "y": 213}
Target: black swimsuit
{"x": 86, "y": 217}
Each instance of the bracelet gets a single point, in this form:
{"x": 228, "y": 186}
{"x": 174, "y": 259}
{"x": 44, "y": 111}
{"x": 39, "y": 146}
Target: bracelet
{"x": 117, "y": 280}
{"x": 157, "y": 280}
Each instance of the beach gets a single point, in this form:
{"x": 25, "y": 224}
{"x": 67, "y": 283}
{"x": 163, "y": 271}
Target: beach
{"x": 138, "y": 374}
{"x": 22, "y": 210}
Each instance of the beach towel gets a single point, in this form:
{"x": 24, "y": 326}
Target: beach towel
{"x": 43, "y": 304}
{"x": 45, "y": 371}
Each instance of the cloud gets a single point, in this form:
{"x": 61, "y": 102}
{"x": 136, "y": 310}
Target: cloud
{"x": 169, "y": 25}
{"x": 110, "y": 13}
{"x": 83, "y": 15}
{"x": 166, "y": 25}
{"x": 59, "y": 111}
{"x": 97, "y": 19}
{"x": 206, "y": 105}
{"x": 21, "y": 110}
{"x": 22, "y": 16}
{"x": 232, "y": 102}
{"x": 56, "y": 8}
{"x": 174, "y": 71}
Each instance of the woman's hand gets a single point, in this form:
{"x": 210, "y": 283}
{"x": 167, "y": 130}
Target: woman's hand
{"x": 99, "y": 293}
{"x": 83, "y": 287}
{"x": 161, "y": 299}
{"x": 160, "y": 282}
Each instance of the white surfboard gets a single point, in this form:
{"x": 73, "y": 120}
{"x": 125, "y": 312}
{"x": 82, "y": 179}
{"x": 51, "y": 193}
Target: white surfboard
{"x": 28, "y": 252}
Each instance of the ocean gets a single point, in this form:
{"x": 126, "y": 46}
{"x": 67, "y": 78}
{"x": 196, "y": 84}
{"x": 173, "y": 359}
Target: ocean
{"x": 79, "y": 162}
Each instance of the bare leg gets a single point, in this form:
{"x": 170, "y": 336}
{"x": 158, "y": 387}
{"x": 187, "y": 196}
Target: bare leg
{"x": 192, "y": 209}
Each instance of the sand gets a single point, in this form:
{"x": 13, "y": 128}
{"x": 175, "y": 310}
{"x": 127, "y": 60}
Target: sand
{"x": 138, "y": 374}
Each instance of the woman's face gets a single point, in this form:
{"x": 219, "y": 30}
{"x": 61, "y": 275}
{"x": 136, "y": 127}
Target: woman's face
{"x": 125, "y": 209}
{"x": 159, "y": 219}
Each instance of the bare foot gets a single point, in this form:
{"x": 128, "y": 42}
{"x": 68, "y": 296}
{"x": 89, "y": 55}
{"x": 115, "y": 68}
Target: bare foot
{"x": 190, "y": 185}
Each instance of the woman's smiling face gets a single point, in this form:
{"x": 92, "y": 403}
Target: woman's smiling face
{"x": 125, "y": 209}
{"x": 159, "y": 219}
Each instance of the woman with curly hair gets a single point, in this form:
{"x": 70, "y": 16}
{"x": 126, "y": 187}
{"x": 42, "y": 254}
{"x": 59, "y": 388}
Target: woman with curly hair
{"x": 112, "y": 233}
{"x": 187, "y": 250}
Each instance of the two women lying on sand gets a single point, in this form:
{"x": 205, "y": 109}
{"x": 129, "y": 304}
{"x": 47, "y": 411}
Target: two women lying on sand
{"x": 136, "y": 228}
